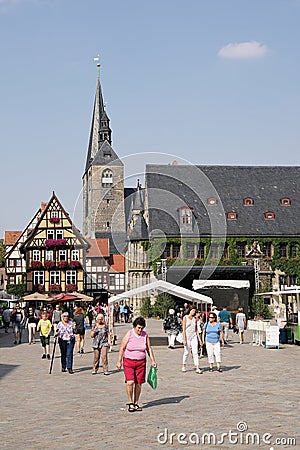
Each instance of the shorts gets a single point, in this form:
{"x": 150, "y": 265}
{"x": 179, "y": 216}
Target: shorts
{"x": 45, "y": 340}
{"x": 18, "y": 327}
{"x": 135, "y": 370}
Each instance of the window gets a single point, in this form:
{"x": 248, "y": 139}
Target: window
{"x": 215, "y": 251}
{"x": 54, "y": 214}
{"x": 175, "y": 250}
{"x": 49, "y": 255}
{"x": 11, "y": 263}
{"x": 55, "y": 277}
{"x": 59, "y": 234}
{"x": 269, "y": 215}
{"x": 241, "y": 250}
{"x": 268, "y": 249}
{"x": 38, "y": 277}
{"x": 232, "y": 215}
{"x": 201, "y": 251}
{"x": 116, "y": 281}
{"x": 107, "y": 178}
{"x": 185, "y": 215}
{"x": 166, "y": 252}
{"x": 282, "y": 250}
{"x": 190, "y": 250}
{"x": 11, "y": 279}
{"x": 74, "y": 255}
{"x": 248, "y": 201}
{"x": 293, "y": 251}
{"x": 285, "y": 201}
{"x": 18, "y": 262}
{"x": 62, "y": 255}
{"x": 36, "y": 255}
{"x": 50, "y": 234}
{"x": 211, "y": 201}
{"x": 71, "y": 277}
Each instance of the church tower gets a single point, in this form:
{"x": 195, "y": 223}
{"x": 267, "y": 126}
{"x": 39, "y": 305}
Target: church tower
{"x": 103, "y": 179}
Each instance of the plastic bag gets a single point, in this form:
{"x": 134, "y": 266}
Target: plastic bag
{"x": 179, "y": 338}
{"x": 152, "y": 377}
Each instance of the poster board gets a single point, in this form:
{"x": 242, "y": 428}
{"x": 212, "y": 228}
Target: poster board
{"x": 272, "y": 336}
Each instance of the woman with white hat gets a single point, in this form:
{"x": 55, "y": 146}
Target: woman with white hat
{"x": 172, "y": 327}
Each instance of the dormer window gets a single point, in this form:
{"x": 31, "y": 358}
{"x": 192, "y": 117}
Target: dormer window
{"x": 185, "y": 215}
{"x": 285, "y": 201}
{"x": 54, "y": 214}
{"x": 232, "y": 215}
{"x": 107, "y": 178}
{"x": 269, "y": 215}
{"x": 211, "y": 201}
{"x": 248, "y": 201}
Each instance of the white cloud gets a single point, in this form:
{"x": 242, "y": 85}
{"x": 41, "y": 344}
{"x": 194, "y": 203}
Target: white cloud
{"x": 243, "y": 50}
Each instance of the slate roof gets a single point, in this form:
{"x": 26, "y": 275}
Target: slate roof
{"x": 171, "y": 187}
{"x": 140, "y": 230}
{"x": 106, "y": 156}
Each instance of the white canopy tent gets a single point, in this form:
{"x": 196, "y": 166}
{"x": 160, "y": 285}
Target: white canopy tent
{"x": 163, "y": 286}
{"x": 225, "y": 284}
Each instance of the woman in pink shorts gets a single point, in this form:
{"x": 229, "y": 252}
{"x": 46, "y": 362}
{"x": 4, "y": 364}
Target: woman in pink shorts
{"x": 132, "y": 354}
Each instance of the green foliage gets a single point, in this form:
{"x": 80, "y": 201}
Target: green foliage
{"x": 162, "y": 305}
{"x": 18, "y": 289}
{"x": 2, "y": 253}
{"x": 146, "y": 308}
{"x": 259, "y": 308}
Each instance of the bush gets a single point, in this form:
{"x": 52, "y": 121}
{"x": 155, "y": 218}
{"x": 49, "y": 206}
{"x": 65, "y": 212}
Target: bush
{"x": 146, "y": 308}
{"x": 260, "y": 309}
{"x": 162, "y": 305}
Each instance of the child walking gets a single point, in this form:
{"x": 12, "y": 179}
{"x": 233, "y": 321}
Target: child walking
{"x": 44, "y": 326}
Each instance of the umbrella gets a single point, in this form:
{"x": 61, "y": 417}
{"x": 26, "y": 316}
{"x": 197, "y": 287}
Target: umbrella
{"x": 61, "y": 298}
{"x": 36, "y": 296}
{"x": 83, "y": 297}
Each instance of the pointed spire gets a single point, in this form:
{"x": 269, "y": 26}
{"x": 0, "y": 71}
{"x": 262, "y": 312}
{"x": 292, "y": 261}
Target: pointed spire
{"x": 138, "y": 199}
{"x": 100, "y": 129}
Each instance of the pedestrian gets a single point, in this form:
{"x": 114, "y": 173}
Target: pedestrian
{"x": 99, "y": 334}
{"x": 240, "y": 323}
{"x": 6, "y": 316}
{"x": 44, "y": 327}
{"x": 212, "y": 334}
{"x": 80, "y": 323}
{"x": 18, "y": 317}
{"x": 190, "y": 338}
{"x": 225, "y": 321}
{"x": 132, "y": 355}
{"x": 172, "y": 327}
{"x": 66, "y": 341}
{"x": 56, "y": 318}
{"x": 31, "y": 323}
{"x": 90, "y": 314}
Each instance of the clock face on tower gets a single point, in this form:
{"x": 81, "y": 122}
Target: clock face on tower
{"x": 109, "y": 194}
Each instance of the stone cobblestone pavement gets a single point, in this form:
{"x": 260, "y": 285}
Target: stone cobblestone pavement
{"x": 258, "y": 390}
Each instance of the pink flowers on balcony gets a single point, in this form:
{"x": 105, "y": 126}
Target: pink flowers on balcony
{"x": 62, "y": 264}
{"x": 70, "y": 287}
{"x": 75, "y": 264}
{"x": 54, "y": 219}
{"x": 36, "y": 264}
{"x": 54, "y": 288}
{"x": 55, "y": 242}
{"x": 49, "y": 264}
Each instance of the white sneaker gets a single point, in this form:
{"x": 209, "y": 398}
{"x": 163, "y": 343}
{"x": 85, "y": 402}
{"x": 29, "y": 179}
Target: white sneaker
{"x": 183, "y": 369}
{"x": 199, "y": 371}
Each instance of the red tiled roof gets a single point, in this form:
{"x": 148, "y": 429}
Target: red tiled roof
{"x": 99, "y": 247}
{"x": 117, "y": 263}
{"x": 11, "y": 237}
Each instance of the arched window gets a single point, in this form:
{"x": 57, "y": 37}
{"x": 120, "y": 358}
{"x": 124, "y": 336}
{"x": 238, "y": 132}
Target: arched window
{"x": 269, "y": 215}
{"x": 107, "y": 178}
{"x": 248, "y": 201}
{"x": 211, "y": 201}
{"x": 231, "y": 215}
{"x": 285, "y": 201}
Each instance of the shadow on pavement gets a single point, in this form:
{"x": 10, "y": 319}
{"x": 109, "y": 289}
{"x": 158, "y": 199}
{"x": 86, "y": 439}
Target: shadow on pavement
{"x": 5, "y": 369}
{"x": 165, "y": 401}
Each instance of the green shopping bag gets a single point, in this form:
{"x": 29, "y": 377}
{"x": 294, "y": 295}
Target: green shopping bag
{"x": 152, "y": 377}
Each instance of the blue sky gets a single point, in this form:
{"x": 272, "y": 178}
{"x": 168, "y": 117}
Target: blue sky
{"x": 210, "y": 81}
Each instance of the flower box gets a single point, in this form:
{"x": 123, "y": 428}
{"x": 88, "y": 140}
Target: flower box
{"x": 75, "y": 264}
{"x": 55, "y": 242}
{"x": 49, "y": 264}
{"x": 54, "y": 288}
{"x": 36, "y": 264}
{"x": 62, "y": 264}
{"x": 71, "y": 287}
{"x": 39, "y": 288}
{"x": 54, "y": 219}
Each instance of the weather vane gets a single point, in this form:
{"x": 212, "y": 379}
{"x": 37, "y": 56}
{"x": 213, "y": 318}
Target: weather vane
{"x": 97, "y": 60}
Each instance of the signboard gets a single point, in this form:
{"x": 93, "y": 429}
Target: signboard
{"x": 272, "y": 336}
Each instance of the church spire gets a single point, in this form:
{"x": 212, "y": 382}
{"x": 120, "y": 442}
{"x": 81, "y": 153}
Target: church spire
{"x": 100, "y": 129}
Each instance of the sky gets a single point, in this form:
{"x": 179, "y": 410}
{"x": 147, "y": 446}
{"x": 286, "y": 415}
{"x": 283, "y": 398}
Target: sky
{"x": 203, "y": 81}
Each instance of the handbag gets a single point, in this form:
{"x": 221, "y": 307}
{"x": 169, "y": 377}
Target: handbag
{"x": 179, "y": 338}
{"x": 152, "y": 377}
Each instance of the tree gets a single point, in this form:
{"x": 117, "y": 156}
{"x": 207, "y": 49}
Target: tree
{"x": 260, "y": 309}
{"x": 162, "y": 305}
{"x": 2, "y": 253}
{"x": 18, "y": 289}
{"x": 146, "y": 308}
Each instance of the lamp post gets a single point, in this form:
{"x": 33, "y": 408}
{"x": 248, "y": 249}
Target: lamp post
{"x": 163, "y": 270}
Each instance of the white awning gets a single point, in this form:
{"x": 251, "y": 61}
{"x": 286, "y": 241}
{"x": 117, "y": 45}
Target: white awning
{"x": 225, "y": 284}
{"x": 163, "y": 286}
{"x": 284, "y": 292}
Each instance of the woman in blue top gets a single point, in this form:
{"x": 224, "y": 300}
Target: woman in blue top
{"x": 212, "y": 334}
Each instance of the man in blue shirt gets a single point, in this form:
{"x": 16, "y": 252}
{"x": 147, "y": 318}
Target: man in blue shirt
{"x": 225, "y": 322}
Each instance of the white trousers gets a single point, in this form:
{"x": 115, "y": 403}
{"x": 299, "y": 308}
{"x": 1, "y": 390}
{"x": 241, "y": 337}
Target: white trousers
{"x": 171, "y": 339}
{"x": 225, "y": 328}
{"x": 192, "y": 344}
{"x": 213, "y": 350}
